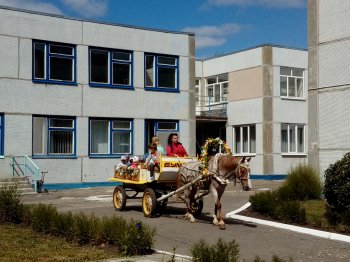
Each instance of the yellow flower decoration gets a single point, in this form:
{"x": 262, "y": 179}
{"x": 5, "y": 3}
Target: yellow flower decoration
{"x": 212, "y": 143}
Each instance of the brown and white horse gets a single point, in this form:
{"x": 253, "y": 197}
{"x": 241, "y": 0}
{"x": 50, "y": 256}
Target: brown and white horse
{"x": 221, "y": 169}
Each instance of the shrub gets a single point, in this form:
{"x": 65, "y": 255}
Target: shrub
{"x": 220, "y": 252}
{"x": 264, "y": 202}
{"x": 44, "y": 218}
{"x": 289, "y": 212}
{"x": 111, "y": 228}
{"x": 85, "y": 229}
{"x": 137, "y": 238}
{"x": 303, "y": 182}
{"x": 11, "y": 208}
{"x": 337, "y": 190}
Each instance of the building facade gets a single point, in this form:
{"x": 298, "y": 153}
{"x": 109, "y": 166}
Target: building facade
{"x": 329, "y": 82}
{"x": 75, "y": 95}
{"x": 264, "y": 90}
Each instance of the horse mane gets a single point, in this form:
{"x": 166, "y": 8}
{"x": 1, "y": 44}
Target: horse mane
{"x": 228, "y": 162}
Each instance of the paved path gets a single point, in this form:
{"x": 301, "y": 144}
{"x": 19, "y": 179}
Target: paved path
{"x": 173, "y": 231}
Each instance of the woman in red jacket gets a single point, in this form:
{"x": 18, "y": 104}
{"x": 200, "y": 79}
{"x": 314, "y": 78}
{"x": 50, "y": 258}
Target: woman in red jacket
{"x": 174, "y": 147}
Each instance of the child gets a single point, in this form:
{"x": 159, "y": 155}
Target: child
{"x": 152, "y": 161}
{"x": 123, "y": 163}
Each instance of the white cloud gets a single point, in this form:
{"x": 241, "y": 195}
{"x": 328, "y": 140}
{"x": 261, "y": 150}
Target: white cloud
{"x": 34, "y": 5}
{"x": 88, "y": 8}
{"x": 267, "y": 3}
{"x": 209, "y": 36}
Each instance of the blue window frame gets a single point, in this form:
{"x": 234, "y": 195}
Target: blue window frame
{"x": 54, "y": 63}
{"x": 110, "y": 68}
{"x": 161, "y": 73}
{"x": 160, "y": 128}
{"x": 2, "y": 134}
{"x": 54, "y": 136}
{"x": 110, "y": 137}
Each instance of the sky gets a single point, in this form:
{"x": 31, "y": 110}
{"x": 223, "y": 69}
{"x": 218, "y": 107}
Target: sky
{"x": 220, "y": 26}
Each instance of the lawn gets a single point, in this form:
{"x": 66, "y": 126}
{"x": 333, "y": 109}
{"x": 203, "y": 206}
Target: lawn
{"x": 22, "y": 244}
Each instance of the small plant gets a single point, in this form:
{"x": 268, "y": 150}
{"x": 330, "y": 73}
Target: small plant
{"x": 302, "y": 183}
{"x": 337, "y": 191}
{"x": 220, "y": 252}
{"x": 11, "y": 208}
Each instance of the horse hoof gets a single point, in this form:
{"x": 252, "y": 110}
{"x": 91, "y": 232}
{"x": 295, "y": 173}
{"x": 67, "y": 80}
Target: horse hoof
{"x": 222, "y": 227}
{"x": 215, "y": 223}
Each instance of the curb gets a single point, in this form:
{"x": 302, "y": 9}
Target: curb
{"x": 173, "y": 254}
{"x": 303, "y": 230}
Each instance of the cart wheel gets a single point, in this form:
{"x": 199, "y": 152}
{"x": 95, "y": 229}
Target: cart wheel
{"x": 149, "y": 202}
{"x": 119, "y": 198}
{"x": 198, "y": 208}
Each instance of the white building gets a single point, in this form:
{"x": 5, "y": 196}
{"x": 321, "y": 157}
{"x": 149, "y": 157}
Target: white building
{"x": 265, "y": 89}
{"x": 329, "y": 81}
{"x": 75, "y": 95}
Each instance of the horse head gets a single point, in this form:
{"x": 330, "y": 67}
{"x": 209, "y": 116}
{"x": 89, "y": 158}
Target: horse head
{"x": 242, "y": 173}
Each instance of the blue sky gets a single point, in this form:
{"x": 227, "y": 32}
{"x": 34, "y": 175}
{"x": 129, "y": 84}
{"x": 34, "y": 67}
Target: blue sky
{"x": 221, "y": 26}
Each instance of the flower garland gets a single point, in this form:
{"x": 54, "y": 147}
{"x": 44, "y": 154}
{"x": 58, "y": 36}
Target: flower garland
{"x": 212, "y": 143}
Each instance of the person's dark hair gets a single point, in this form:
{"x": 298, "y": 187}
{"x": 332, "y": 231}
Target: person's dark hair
{"x": 170, "y": 143}
{"x": 152, "y": 146}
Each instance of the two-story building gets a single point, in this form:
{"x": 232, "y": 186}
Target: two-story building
{"x": 256, "y": 99}
{"x": 75, "y": 94}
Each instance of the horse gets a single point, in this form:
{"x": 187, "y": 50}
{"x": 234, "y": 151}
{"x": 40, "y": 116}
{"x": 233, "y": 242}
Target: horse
{"x": 221, "y": 169}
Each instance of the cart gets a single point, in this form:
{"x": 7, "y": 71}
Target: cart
{"x": 155, "y": 192}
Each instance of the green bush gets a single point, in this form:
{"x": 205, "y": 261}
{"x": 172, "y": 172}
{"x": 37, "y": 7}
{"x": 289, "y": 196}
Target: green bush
{"x": 290, "y": 212}
{"x": 11, "y": 208}
{"x": 111, "y": 228}
{"x": 264, "y": 202}
{"x": 220, "y": 252}
{"x": 303, "y": 183}
{"x": 137, "y": 238}
{"x": 337, "y": 190}
{"x": 44, "y": 218}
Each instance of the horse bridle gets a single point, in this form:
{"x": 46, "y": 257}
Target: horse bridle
{"x": 238, "y": 168}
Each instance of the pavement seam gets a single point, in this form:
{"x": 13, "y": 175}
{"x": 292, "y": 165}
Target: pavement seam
{"x": 303, "y": 230}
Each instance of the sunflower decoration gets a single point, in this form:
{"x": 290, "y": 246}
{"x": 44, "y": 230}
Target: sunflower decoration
{"x": 210, "y": 148}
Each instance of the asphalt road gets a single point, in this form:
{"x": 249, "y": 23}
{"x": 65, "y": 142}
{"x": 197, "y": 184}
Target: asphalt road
{"x": 174, "y": 231}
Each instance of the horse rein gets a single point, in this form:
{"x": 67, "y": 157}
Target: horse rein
{"x": 238, "y": 168}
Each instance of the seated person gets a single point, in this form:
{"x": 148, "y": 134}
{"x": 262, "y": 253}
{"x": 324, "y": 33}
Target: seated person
{"x": 152, "y": 161}
{"x": 122, "y": 166}
{"x": 135, "y": 163}
{"x": 174, "y": 147}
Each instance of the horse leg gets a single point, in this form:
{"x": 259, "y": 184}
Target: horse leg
{"x": 188, "y": 214}
{"x": 214, "y": 193}
{"x": 219, "y": 215}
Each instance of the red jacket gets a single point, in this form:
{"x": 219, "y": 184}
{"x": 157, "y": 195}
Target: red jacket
{"x": 178, "y": 150}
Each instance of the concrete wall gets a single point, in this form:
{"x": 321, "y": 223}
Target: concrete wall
{"x": 329, "y": 82}
{"x": 20, "y": 98}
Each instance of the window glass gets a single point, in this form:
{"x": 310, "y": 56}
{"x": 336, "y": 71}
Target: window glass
{"x": 223, "y": 78}
{"x": 99, "y": 66}
{"x": 211, "y": 80}
{"x": 300, "y": 139}
{"x": 217, "y": 93}
{"x": 149, "y": 70}
{"x": 252, "y": 140}
{"x": 245, "y": 139}
{"x": 300, "y": 89}
{"x": 166, "y": 77}
{"x": 39, "y": 136}
{"x": 283, "y": 86}
{"x": 56, "y": 122}
{"x": 284, "y": 138}
{"x": 291, "y": 86}
{"x": 121, "y": 74}
{"x": 61, "y": 50}
{"x": 61, "y": 69}
{"x": 298, "y": 72}
{"x": 121, "y": 56}
{"x": 61, "y": 142}
{"x": 238, "y": 139}
{"x": 285, "y": 71}
{"x": 99, "y": 136}
{"x": 167, "y": 126}
{"x": 292, "y": 138}
{"x": 121, "y": 142}
{"x": 121, "y": 124}
{"x": 39, "y": 61}
{"x": 166, "y": 60}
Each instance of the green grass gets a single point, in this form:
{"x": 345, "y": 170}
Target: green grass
{"x": 315, "y": 216}
{"x": 23, "y": 244}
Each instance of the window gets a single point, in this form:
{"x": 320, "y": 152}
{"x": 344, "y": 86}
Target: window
{"x": 54, "y": 63}
{"x": 110, "y": 68}
{"x": 244, "y": 137}
{"x": 160, "y": 128}
{"x": 2, "y": 131}
{"x": 53, "y": 136}
{"x": 110, "y": 137}
{"x": 198, "y": 91}
{"x": 292, "y": 138}
{"x": 161, "y": 72}
{"x": 216, "y": 89}
{"x": 292, "y": 82}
